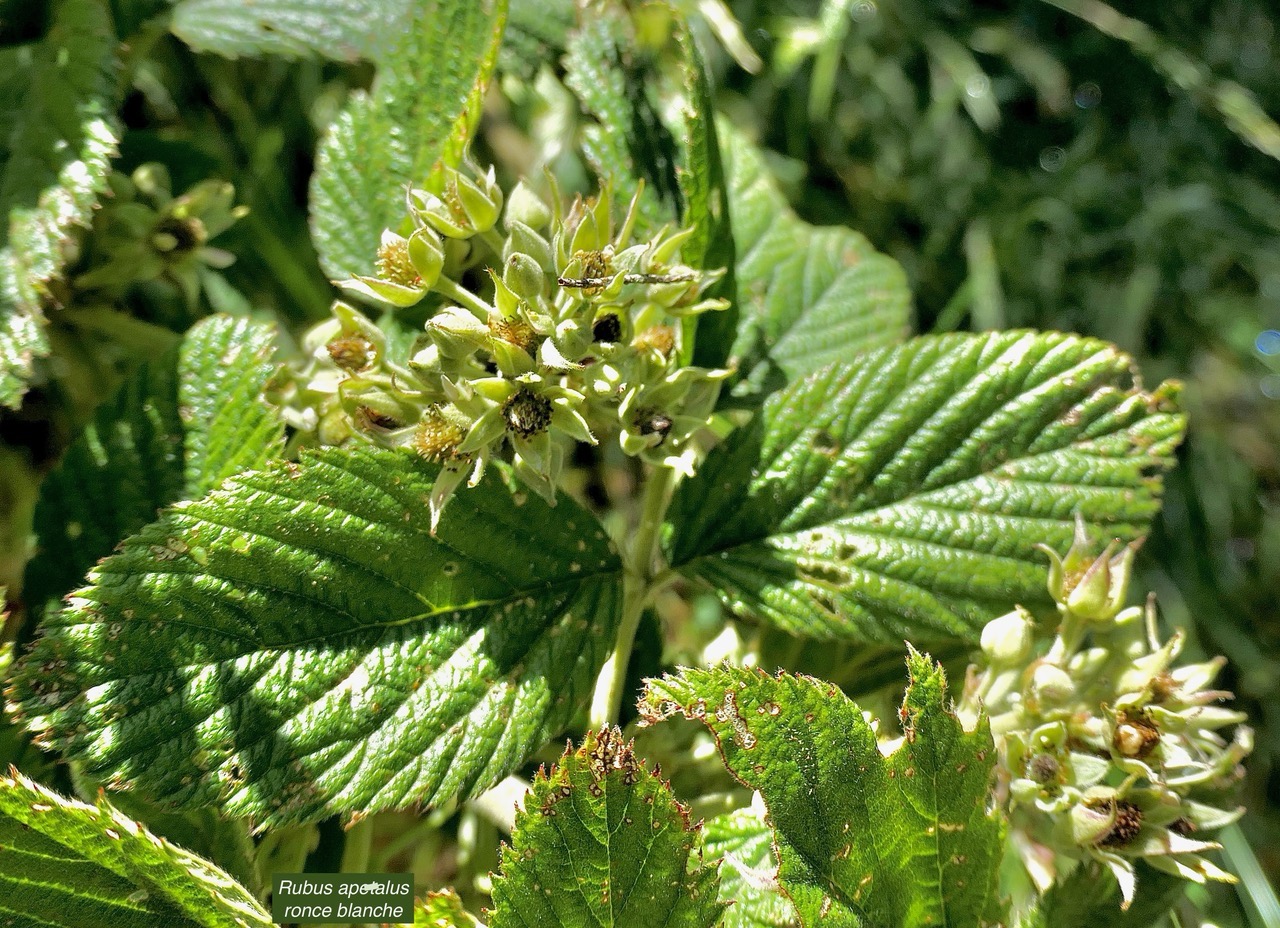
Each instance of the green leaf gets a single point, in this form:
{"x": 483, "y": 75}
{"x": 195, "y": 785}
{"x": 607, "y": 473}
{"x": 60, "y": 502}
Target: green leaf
{"x": 176, "y": 428}
{"x": 748, "y": 871}
{"x": 706, "y": 209}
{"x": 298, "y": 644}
{"x": 15, "y": 745}
{"x": 60, "y": 137}
{"x": 223, "y": 366}
{"x": 443, "y": 910}
{"x": 22, "y": 340}
{"x": 627, "y": 142}
{"x": 809, "y": 295}
{"x": 345, "y": 30}
{"x": 900, "y": 495}
{"x": 904, "y": 840}
{"x": 70, "y": 864}
{"x": 602, "y": 842}
{"x": 421, "y": 112}
{"x": 537, "y": 31}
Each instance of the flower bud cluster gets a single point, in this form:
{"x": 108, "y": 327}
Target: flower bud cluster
{"x": 573, "y": 333}
{"x": 143, "y": 232}
{"x": 1110, "y": 750}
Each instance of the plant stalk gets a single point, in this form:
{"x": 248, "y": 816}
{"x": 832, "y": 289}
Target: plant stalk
{"x": 356, "y": 849}
{"x": 463, "y": 297}
{"x": 637, "y": 579}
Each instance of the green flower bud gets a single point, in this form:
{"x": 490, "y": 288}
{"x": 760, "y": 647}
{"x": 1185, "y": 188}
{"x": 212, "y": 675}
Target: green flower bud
{"x": 333, "y": 427}
{"x": 1051, "y": 685}
{"x": 522, "y": 239}
{"x": 457, "y": 332}
{"x": 1093, "y": 589}
{"x": 524, "y": 277}
{"x": 480, "y": 201}
{"x": 152, "y": 180}
{"x": 383, "y": 291}
{"x": 526, "y": 207}
{"x": 464, "y": 207}
{"x": 1007, "y": 640}
{"x": 426, "y": 254}
{"x": 590, "y": 235}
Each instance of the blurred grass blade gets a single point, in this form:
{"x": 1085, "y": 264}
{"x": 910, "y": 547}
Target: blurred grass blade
{"x": 343, "y": 30}
{"x": 833, "y": 26}
{"x": 972, "y": 86}
{"x": 1236, "y": 105}
{"x": 987, "y": 306}
{"x": 1255, "y": 890}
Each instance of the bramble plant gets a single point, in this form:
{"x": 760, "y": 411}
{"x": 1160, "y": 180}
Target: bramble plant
{"x": 590, "y": 440}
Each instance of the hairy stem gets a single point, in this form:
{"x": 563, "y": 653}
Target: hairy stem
{"x": 494, "y": 241}
{"x": 463, "y": 297}
{"x": 606, "y": 701}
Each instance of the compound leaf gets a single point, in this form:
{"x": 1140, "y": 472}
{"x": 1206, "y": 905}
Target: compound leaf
{"x": 900, "y": 495}
{"x": 863, "y": 839}
{"x": 748, "y": 871}
{"x": 345, "y": 30}
{"x": 808, "y": 295}
{"x": 298, "y": 644}
{"x": 602, "y": 842}
{"x": 73, "y": 865}
{"x": 60, "y": 137}
{"x": 177, "y": 427}
{"x": 422, "y": 110}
